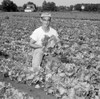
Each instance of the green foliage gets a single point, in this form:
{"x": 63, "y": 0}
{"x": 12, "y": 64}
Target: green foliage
{"x": 78, "y": 7}
{"x": 0, "y": 7}
{"x": 20, "y": 9}
{"x": 61, "y": 8}
{"x": 49, "y": 6}
{"x": 91, "y": 7}
{"x": 71, "y": 8}
{"x": 24, "y": 6}
{"x": 88, "y": 7}
{"x": 9, "y": 6}
{"x": 31, "y": 3}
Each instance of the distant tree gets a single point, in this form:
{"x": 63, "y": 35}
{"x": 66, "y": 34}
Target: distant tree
{"x": 44, "y": 5}
{"x": 24, "y": 6}
{"x": 49, "y": 6}
{"x": 0, "y": 7}
{"x": 98, "y": 7}
{"x": 61, "y": 8}
{"x": 91, "y": 7}
{"x": 71, "y": 7}
{"x": 87, "y": 7}
{"x": 53, "y": 6}
{"x": 8, "y": 5}
{"x": 20, "y": 9}
{"x": 30, "y": 3}
{"x": 39, "y": 8}
{"x": 78, "y": 7}
{"x": 13, "y": 6}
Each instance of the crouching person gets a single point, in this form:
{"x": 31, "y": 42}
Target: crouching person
{"x": 36, "y": 39}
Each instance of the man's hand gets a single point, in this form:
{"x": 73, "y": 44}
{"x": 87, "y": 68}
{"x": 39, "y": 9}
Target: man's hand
{"x": 53, "y": 38}
{"x": 52, "y": 41}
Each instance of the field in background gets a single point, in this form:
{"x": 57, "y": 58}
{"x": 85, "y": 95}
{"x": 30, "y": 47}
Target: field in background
{"x": 68, "y": 15}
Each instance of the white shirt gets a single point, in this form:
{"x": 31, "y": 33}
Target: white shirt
{"x": 39, "y": 34}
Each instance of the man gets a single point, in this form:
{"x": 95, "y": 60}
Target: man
{"x": 36, "y": 39}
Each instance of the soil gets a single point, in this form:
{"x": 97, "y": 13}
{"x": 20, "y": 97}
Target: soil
{"x": 36, "y": 93}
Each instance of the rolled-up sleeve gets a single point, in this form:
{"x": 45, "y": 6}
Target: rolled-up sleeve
{"x": 34, "y": 36}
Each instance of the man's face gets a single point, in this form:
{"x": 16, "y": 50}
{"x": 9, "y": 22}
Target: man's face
{"x": 45, "y": 21}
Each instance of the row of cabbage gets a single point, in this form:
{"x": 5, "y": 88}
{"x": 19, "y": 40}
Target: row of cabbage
{"x": 70, "y": 70}
{"x": 7, "y": 91}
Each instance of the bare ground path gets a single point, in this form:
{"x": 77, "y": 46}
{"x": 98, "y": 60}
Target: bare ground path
{"x": 36, "y": 93}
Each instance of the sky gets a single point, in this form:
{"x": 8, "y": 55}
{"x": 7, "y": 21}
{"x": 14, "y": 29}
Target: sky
{"x": 57, "y": 2}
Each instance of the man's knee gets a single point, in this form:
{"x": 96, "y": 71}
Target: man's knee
{"x": 38, "y": 51}
{"x": 37, "y": 57}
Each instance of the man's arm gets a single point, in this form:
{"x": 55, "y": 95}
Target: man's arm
{"x": 33, "y": 45}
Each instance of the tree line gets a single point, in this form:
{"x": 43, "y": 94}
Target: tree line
{"x": 10, "y": 6}
{"x": 87, "y": 7}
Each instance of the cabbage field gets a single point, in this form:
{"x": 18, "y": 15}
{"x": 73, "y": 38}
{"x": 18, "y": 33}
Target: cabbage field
{"x": 70, "y": 70}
